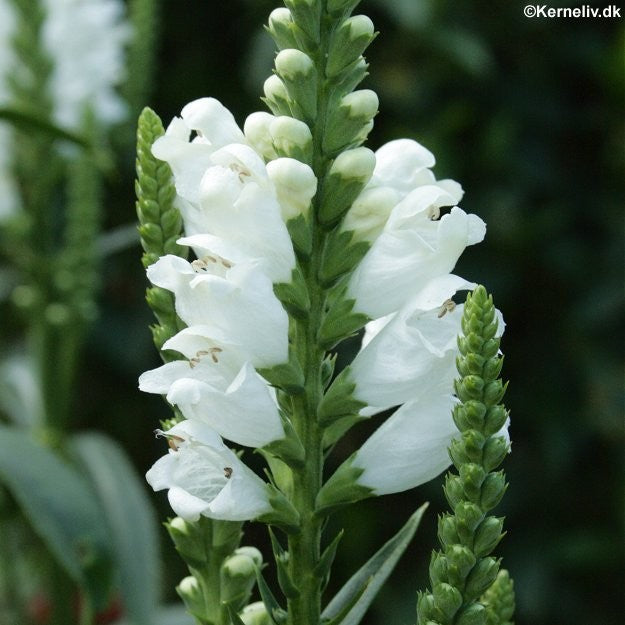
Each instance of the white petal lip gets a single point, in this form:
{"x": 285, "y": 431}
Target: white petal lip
{"x": 410, "y": 447}
{"x": 244, "y": 411}
{"x": 410, "y": 251}
{"x": 198, "y": 466}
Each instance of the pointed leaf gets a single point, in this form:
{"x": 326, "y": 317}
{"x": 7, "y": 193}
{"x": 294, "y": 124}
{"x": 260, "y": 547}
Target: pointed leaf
{"x": 61, "y": 508}
{"x": 234, "y": 617}
{"x": 130, "y": 519}
{"x": 364, "y": 585}
{"x": 272, "y": 605}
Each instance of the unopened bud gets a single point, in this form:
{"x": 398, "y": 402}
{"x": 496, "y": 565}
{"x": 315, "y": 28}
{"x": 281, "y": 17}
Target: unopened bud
{"x": 255, "y": 614}
{"x": 295, "y": 185}
{"x": 448, "y": 599}
{"x": 349, "y": 41}
{"x": 276, "y": 95}
{"x": 292, "y": 137}
{"x": 493, "y": 490}
{"x": 256, "y": 130}
{"x": 281, "y": 28}
{"x": 238, "y": 576}
{"x": 460, "y": 561}
{"x": 361, "y": 105}
{"x": 474, "y": 614}
{"x": 481, "y": 577}
{"x": 190, "y": 591}
{"x": 297, "y": 70}
{"x": 369, "y": 213}
{"x": 347, "y": 177}
{"x": 352, "y": 120}
{"x": 487, "y": 536}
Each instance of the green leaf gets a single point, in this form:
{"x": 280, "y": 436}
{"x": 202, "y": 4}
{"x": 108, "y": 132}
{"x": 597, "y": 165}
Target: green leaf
{"x": 130, "y": 519}
{"x": 234, "y": 617}
{"x": 352, "y": 601}
{"x": 61, "y": 508}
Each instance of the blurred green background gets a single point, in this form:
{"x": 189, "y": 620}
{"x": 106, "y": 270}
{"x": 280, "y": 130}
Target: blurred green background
{"x": 528, "y": 115}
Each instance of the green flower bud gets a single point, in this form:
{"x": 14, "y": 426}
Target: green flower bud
{"x": 347, "y": 177}
{"x": 298, "y": 73}
{"x": 453, "y": 489}
{"x": 496, "y": 417}
{"x": 473, "y": 614}
{"x": 460, "y": 561}
{"x": 499, "y": 600}
{"x": 487, "y": 536}
{"x": 469, "y": 387}
{"x": 495, "y": 451}
{"x": 448, "y": 599}
{"x": 348, "y": 122}
{"x": 492, "y": 368}
{"x": 187, "y": 540}
{"x": 447, "y": 532}
{"x": 349, "y": 41}
{"x": 481, "y": 577}
{"x": 469, "y": 415}
{"x": 238, "y": 576}
{"x": 292, "y": 138}
{"x": 190, "y": 592}
{"x": 494, "y": 392}
{"x": 276, "y": 96}
{"x": 468, "y": 517}
{"x": 426, "y": 608}
{"x": 280, "y": 28}
{"x": 474, "y": 443}
{"x": 472, "y": 476}
{"x": 255, "y": 614}
{"x": 493, "y": 490}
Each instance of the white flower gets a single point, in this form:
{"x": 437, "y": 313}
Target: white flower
{"x": 216, "y": 388}
{"x": 85, "y": 41}
{"x": 233, "y": 303}
{"x": 206, "y": 478}
{"x": 226, "y": 190}
{"x": 414, "y": 247}
{"x": 412, "y": 350}
{"x": 401, "y": 167}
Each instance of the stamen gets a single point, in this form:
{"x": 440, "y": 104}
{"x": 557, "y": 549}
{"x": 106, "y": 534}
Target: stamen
{"x": 227, "y": 472}
{"x": 434, "y": 212}
{"x": 448, "y": 306}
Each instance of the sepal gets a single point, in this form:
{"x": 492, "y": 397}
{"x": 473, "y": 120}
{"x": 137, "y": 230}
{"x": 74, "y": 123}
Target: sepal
{"x": 342, "y": 488}
{"x": 283, "y": 514}
{"x": 288, "y": 376}
{"x": 481, "y": 578}
{"x": 306, "y": 14}
{"x": 473, "y": 614}
{"x": 339, "y": 400}
{"x": 340, "y": 256}
{"x": 288, "y": 449}
{"x": 281, "y": 557}
{"x": 345, "y": 180}
{"x": 280, "y": 27}
{"x": 324, "y": 566}
{"x": 294, "y": 294}
{"x": 340, "y": 321}
{"x": 448, "y": 600}
{"x": 487, "y": 536}
{"x": 301, "y": 236}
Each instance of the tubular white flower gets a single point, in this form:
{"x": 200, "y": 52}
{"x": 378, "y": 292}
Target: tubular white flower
{"x": 295, "y": 185}
{"x": 231, "y": 302}
{"x": 413, "y": 350}
{"x": 206, "y": 478}
{"x": 85, "y": 41}
{"x": 401, "y": 167}
{"x": 413, "y": 248}
{"x": 215, "y": 387}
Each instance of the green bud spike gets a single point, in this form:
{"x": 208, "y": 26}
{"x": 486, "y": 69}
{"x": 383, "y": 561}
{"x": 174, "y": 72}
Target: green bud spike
{"x": 447, "y": 599}
{"x": 499, "y": 600}
{"x": 469, "y": 535}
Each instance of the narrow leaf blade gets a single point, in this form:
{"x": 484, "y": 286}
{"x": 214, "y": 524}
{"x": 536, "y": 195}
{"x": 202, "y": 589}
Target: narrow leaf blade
{"x": 352, "y": 601}
{"x": 61, "y": 509}
{"x": 130, "y": 519}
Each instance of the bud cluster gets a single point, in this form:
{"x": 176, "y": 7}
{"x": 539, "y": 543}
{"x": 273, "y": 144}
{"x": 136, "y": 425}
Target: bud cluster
{"x": 464, "y": 569}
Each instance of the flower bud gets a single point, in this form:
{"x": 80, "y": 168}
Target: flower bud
{"x": 468, "y": 517}
{"x": 492, "y": 368}
{"x": 481, "y": 577}
{"x": 447, "y": 533}
{"x": 348, "y": 42}
{"x": 369, "y": 212}
{"x": 494, "y": 392}
{"x": 297, "y": 70}
{"x": 487, "y": 536}
{"x": 493, "y": 490}
{"x": 438, "y": 568}
{"x": 295, "y": 185}
{"x": 454, "y": 492}
{"x": 347, "y": 177}
{"x": 276, "y": 96}
{"x": 255, "y": 614}
{"x": 472, "y": 476}
{"x": 280, "y": 27}
{"x": 460, "y": 561}
{"x": 495, "y": 451}
{"x": 188, "y": 540}
{"x": 238, "y": 576}
{"x": 190, "y": 591}
{"x": 474, "y": 614}
{"x": 351, "y": 119}
{"x": 256, "y": 130}
{"x": 448, "y": 599}
{"x": 292, "y": 137}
